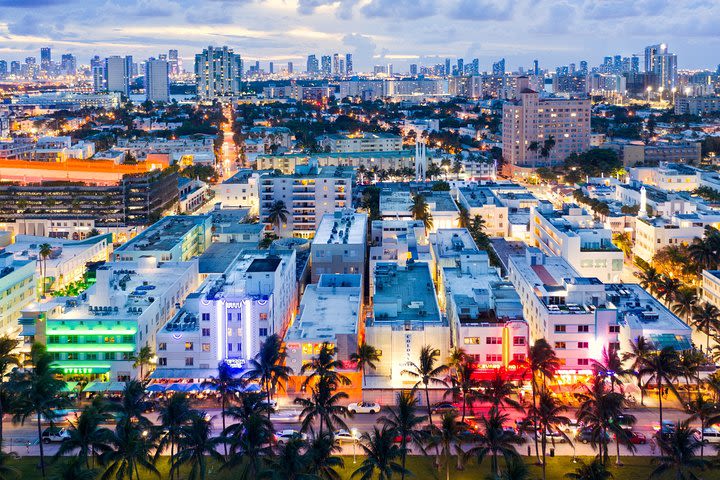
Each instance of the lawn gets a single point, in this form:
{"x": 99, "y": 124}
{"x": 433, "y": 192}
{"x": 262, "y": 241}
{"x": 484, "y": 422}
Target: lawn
{"x": 635, "y": 468}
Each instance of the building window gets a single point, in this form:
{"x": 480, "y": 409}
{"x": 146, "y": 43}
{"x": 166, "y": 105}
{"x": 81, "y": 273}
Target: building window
{"x": 559, "y": 328}
{"x": 518, "y": 341}
{"x": 162, "y": 361}
{"x": 518, "y": 357}
{"x": 205, "y": 347}
{"x": 206, "y": 317}
{"x": 110, "y": 356}
{"x": 205, "y": 332}
{"x": 615, "y": 346}
{"x": 162, "y": 346}
{"x": 614, "y": 328}
{"x": 229, "y": 347}
{"x": 189, "y": 361}
{"x": 493, "y": 341}
{"x": 493, "y": 357}
{"x": 263, "y": 332}
{"x": 559, "y": 345}
{"x": 189, "y": 346}
{"x": 472, "y": 340}
{"x": 583, "y": 328}
{"x": 583, "y": 361}
{"x": 582, "y": 344}
{"x": 263, "y": 316}
{"x": 229, "y": 317}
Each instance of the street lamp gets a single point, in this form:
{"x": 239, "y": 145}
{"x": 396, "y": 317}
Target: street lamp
{"x": 649, "y": 89}
{"x": 673, "y": 90}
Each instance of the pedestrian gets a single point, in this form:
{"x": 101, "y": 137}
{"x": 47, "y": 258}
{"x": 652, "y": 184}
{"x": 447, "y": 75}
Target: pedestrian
{"x": 653, "y": 446}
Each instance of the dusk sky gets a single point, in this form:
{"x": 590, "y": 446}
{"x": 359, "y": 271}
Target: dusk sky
{"x": 375, "y": 31}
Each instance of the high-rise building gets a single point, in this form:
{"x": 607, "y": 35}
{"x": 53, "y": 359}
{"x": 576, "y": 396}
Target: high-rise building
{"x": 97, "y": 69}
{"x": 271, "y": 68}
{"x": 460, "y": 66}
{"x": 583, "y": 67}
{"x": 218, "y": 73}
{"x": 15, "y": 68}
{"x": 498, "y": 68}
{"x": 326, "y": 62}
{"x": 174, "y": 62}
{"x": 3, "y": 68}
{"x": 447, "y": 67}
{"x": 474, "y": 67}
{"x": 290, "y": 67}
{"x": 348, "y": 64}
{"x": 635, "y": 64}
{"x": 336, "y": 64}
{"x": 312, "y": 64}
{"x": 665, "y": 69}
{"x": 45, "y": 58}
{"x": 413, "y": 69}
{"x": 536, "y": 67}
{"x": 157, "y": 85}
{"x": 650, "y": 52}
{"x": 68, "y": 64}
{"x": 617, "y": 63}
{"x": 117, "y": 74}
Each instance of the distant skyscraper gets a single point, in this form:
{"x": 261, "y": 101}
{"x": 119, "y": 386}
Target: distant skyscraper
{"x": 218, "y": 73}
{"x": 312, "y": 64}
{"x": 390, "y": 69}
{"x": 45, "y": 58}
{"x": 460, "y": 66}
{"x": 118, "y": 71}
{"x": 68, "y": 64}
{"x": 665, "y": 69}
{"x": 271, "y": 68}
{"x": 341, "y": 69}
{"x": 15, "y": 67}
{"x": 163, "y": 57}
{"x": 447, "y": 67}
{"x": 571, "y": 69}
{"x": 157, "y": 84}
{"x": 650, "y": 53}
{"x": 475, "y": 67}
{"x": 326, "y": 64}
{"x": 348, "y": 64}
{"x": 583, "y": 67}
{"x": 335, "y": 64}
{"x": 97, "y": 69}
{"x": 635, "y": 64}
{"x": 498, "y": 68}
{"x": 174, "y": 61}
{"x": 413, "y": 69}
{"x": 290, "y": 67}
{"x": 617, "y": 63}
{"x": 3, "y": 68}
{"x": 536, "y": 67}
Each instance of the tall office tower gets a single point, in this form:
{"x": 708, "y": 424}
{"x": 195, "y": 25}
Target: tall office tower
{"x": 583, "y": 67}
{"x": 348, "y": 64}
{"x": 163, "y": 57}
{"x": 157, "y": 84}
{"x": 312, "y": 64}
{"x": 326, "y": 62}
{"x": 218, "y": 72}
{"x": 335, "y": 64}
{"x": 174, "y": 62}
{"x": 635, "y": 64}
{"x": 650, "y": 52}
{"x": 15, "y": 68}
{"x": 536, "y": 67}
{"x": 617, "y": 63}
{"x": 665, "y": 69}
{"x": 447, "y": 67}
{"x": 390, "y": 69}
{"x": 271, "y": 68}
{"x": 413, "y": 69}
{"x": 498, "y": 68}
{"x": 45, "y": 58}
{"x": 117, "y": 74}
{"x": 290, "y": 67}
{"x": 341, "y": 70}
{"x": 460, "y": 67}
{"x": 68, "y": 64}
{"x": 97, "y": 69}
{"x": 132, "y": 68}
{"x": 475, "y": 67}
{"x": 3, "y": 68}
{"x": 571, "y": 69}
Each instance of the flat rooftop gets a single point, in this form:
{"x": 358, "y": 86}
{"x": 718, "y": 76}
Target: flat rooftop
{"x": 341, "y": 227}
{"x": 268, "y": 264}
{"x": 165, "y": 234}
{"x": 411, "y": 289}
{"x": 450, "y": 242}
{"x": 362, "y": 136}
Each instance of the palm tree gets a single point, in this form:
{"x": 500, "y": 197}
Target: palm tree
{"x": 650, "y": 279}
{"x": 87, "y": 436}
{"x": 133, "y": 403}
{"x": 705, "y": 319}
{"x": 247, "y": 404}
{"x": 321, "y": 461}
{"x": 39, "y": 393}
{"x": 174, "y": 414}
{"x": 463, "y": 217}
{"x": 268, "y": 367}
{"x": 324, "y": 406}
{"x": 662, "y": 366}
{"x": 420, "y": 210}
{"x": 595, "y": 470}
{"x": 515, "y": 469}
{"x": 547, "y": 146}
{"x": 498, "y": 391}
{"x": 226, "y": 385}
{"x": 685, "y": 301}
{"x": 381, "y": 454}
{"x": 668, "y": 288}
{"x": 703, "y": 253}
{"x": 464, "y": 386}
{"x": 8, "y": 347}
{"x": 74, "y": 470}
{"x": 8, "y": 471}
{"x": 624, "y": 242}
{"x": 131, "y": 449}
{"x": 45, "y": 249}
{"x": 249, "y": 444}
{"x": 366, "y": 356}
{"x": 289, "y": 462}
{"x": 610, "y": 366}
{"x": 541, "y": 362}
{"x": 143, "y": 357}
{"x": 324, "y": 365}
{"x": 494, "y": 440}
{"x": 638, "y": 355}
{"x": 549, "y": 415}
{"x": 278, "y": 214}
{"x": 690, "y": 362}
{"x": 679, "y": 454}
{"x": 699, "y": 408}
{"x": 427, "y": 371}
{"x": 195, "y": 446}
{"x": 446, "y": 436}
{"x": 404, "y": 421}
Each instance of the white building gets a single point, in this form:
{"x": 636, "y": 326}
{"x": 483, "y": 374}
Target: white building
{"x": 240, "y": 190}
{"x": 670, "y": 177}
{"x": 339, "y": 244}
{"x": 175, "y": 238}
{"x": 157, "y": 82}
{"x": 399, "y": 242}
{"x": 654, "y": 234}
{"x": 17, "y": 290}
{"x": 218, "y": 73}
{"x": 361, "y": 142}
{"x": 118, "y": 71}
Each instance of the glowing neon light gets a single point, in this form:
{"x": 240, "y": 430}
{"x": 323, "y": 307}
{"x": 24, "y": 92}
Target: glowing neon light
{"x": 85, "y": 347}
{"x": 92, "y": 331}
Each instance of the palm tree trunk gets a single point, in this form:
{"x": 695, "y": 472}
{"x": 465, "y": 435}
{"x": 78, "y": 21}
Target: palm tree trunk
{"x": 537, "y": 452}
{"x": 617, "y": 452}
{"x": 363, "y": 371}
{"x": 659, "y": 387}
{"x": 2, "y": 413}
{"x": 427, "y": 399}
{"x": 42, "y": 450}
{"x": 544, "y": 444}
{"x": 642, "y": 391}
{"x": 404, "y": 456}
{"x": 267, "y": 393}
{"x": 172, "y": 455}
{"x": 222, "y": 415}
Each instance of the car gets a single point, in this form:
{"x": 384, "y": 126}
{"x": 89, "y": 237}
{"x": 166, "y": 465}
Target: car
{"x": 54, "y": 434}
{"x": 283, "y": 436}
{"x": 525, "y": 425}
{"x": 271, "y": 405}
{"x": 515, "y": 434}
{"x": 636, "y": 438}
{"x": 585, "y": 435}
{"x": 625, "y": 422}
{"x": 399, "y": 439}
{"x": 364, "y": 407}
{"x": 285, "y": 416}
{"x": 556, "y": 437}
{"x": 344, "y": 436}
{"x": 571, "y": 426}
{"x": 664, "y": 431}
{"x": 709, "y": 434}
{"x": 443, "y": 407}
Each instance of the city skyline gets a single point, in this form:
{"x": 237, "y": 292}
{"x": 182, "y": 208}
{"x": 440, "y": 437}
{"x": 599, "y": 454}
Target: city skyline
{"x": 374, "y": 31}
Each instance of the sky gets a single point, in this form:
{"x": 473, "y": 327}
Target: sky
{"x": 556, "y": 32}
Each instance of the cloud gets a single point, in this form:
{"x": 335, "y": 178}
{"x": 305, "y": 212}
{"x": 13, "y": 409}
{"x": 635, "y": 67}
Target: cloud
{"x": 363, "y": 48}
{"x": 399, "y": 9}
{"x": 343, "y": 10}
{"x": 31, "y": 3}
{"x": 560, "y": 19}
{"x": 482, "y": 10}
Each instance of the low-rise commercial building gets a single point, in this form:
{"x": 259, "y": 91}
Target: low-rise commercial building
{"x": 400, "y": 242}
{"x": 339, "y": 244}
{"x": 17, "y": 291}
{"x": 361, "y": 142}
{"x": 386, "y": 160}
{"x": 176, "y": 238}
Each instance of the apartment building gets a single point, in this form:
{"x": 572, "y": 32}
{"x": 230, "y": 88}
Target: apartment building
{"x": 378, "y": 160}
{"x": 176, "y": 238}
{"x": 670, "y": 177}
{"x": 360, "y": 142}
{"x": 240, "y": 190}
{"x": 655, "y": 233}
{"x": 17, "y": 291}
{"x": 307, "y": 195}
{"x": 339, "y": 244}
{"x": 573, "y": 234}
{"x": 529, "y": 120}
{"x": 400, "y": 242}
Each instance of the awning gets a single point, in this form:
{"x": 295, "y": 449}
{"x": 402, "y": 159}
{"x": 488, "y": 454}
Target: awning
{"x": 155, "y": 387}
{"x": 96, "y": 387}
{"x": 199, "y": 373}
{"x": 177, "y": 387}
{"x": 677, "y": 342}
{"x": 253, "y": 387}
{"x": 70, "y": 386}
{"x": 116, "y": 387}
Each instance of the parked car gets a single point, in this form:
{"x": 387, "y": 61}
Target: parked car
{"x": 344, "y": 436}
{"x": 443, "y": 407}
{"x": 364, "y": 407}
{"x": 571, "y": 426}
{"x": 398, "y": 439}
{"x": 515, "y": 433}
{"x": 283, "y": 436}
{"x": 271, "y": 405}
{"x": 664, "y": 431}
{"x": 710, "y": 434}
{"x": 625, "y": 422}
{"x": 54, "y": 434}
{"x": 585, "y": 435}
{"x": 285, "y": 416}
{"x": 556, "y": 437}
{"x": 636, "y": 438}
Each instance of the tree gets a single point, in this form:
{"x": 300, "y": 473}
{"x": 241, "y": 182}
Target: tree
{"x": 498, "y": 391}
{"x": 595, "y": 470}
{"x": 278, "y": 214}
{"x": 547, "y": 146}
{"x": 446, "y": 436}
{"x": 8, "y": 347}
{"x": 662, "y": 366}
{"x": 541, "y": 362}
{"x": 321, "y": 461}
{"x": 703, "y": 253}
{"x": 87, "y": 436}
{"x": 549, "y": 417}
{"x": 649, "y": 279}
{"x": 133, "y": 403}
{"x": 74, "y": 470}
{"x": 45, "y": 249}
{"x": 701, "y": 409}
{"x": 131, "y": 449}
{"x": 685, "y": 301}
{"x": 39, "y": 393}
{"x": 143, "y": 357}
{"x": 381, "y": 454}
{"x": 638, "y": 355}
{"x": 404, "y": 421}
{"x": 174, "y": 414}
{"x": 515, "y": 469}
{"x": 7, "y": 470}
{"x": 427, "y": 371}
{"x": 464, "y": 387}
{"x": 420, "y": 210}
{"x": 610, "y": 367}
{"x": 624, "y": 242}
{"x": 289, "y": 462}
{"x": 249, "y": 444}
{"x": 366, "y": 356}
{"x": 495, "y": 440}
{"x": 226, "y": 385}
{"x": 324, "y": 406}
{"x": 196, "y": 444}
{"x": 705, "y": 319}
{"x": 324, "y": 365}
{"x": 268, "y": 367}
{"x": 679, "y": 454}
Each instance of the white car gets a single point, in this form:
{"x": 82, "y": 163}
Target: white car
{"x": 285, "y": 416}
{"x": 364, "y": 407}
{"x": 343, "y": 436}
{"x": 283, "y": 436}
{"x": 54, "y": 434}
{"x": 710, "y": 434}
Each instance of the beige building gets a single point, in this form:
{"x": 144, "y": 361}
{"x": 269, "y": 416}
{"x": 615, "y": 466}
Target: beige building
{"x": 361, "y": 142}
{"x": 339, "y": 244}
